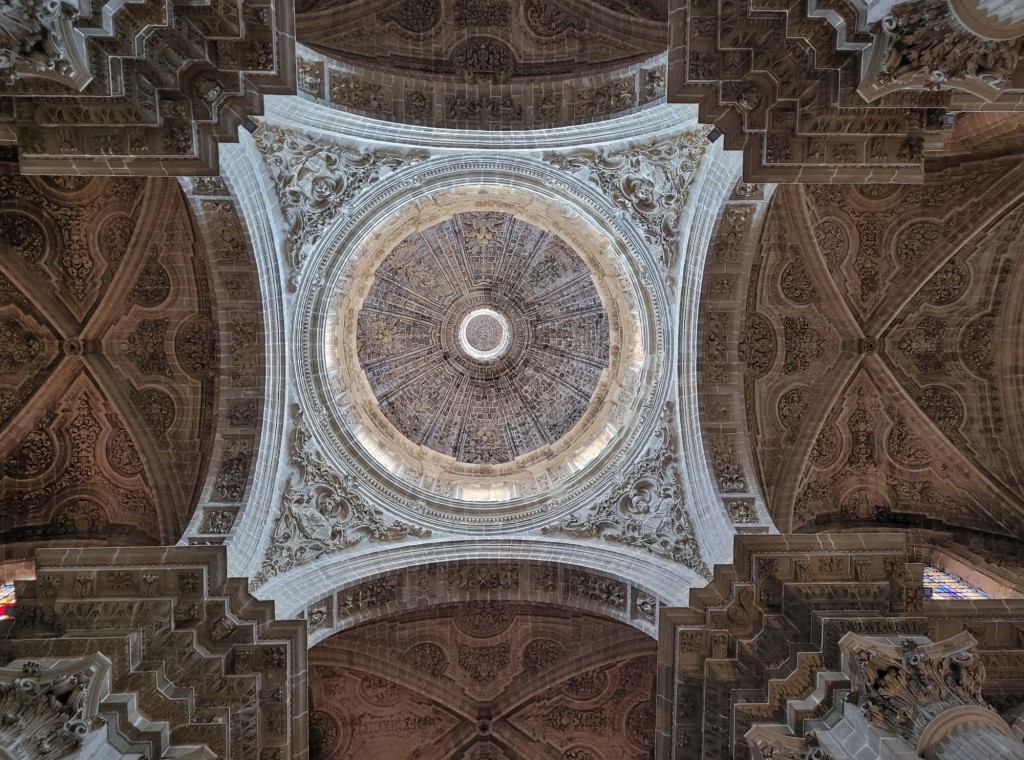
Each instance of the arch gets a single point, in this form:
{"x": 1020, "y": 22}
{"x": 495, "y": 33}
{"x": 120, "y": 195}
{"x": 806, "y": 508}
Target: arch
{"x": 598, "y": 582}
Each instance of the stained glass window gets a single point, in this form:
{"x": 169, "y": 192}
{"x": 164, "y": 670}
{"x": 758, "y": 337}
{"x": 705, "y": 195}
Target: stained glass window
{"x": 6, "y": 600}
{"x": 945, "y": 585}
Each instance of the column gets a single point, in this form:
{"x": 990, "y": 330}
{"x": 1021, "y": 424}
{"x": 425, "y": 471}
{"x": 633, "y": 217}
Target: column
{"x": 929, "y": 694}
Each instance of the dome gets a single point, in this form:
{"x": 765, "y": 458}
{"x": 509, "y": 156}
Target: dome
{"x": 483, "y": 346}
{"x": 483, "y": 338}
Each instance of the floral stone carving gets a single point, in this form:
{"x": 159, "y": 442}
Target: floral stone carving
{"x": 314, "y": 180}
{"x": 321, "y": 512}
{"x": 650, "y": 182}
{"x": 646, "y": 508}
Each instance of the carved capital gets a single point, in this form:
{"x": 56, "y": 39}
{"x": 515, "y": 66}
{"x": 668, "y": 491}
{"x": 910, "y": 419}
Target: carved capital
{"x": 47, "y": 707}
{"x": 925, "y": 46}
{"x": 905, "y": 684}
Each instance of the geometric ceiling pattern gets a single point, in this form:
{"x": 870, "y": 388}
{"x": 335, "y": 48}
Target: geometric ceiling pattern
{"x": 880, "y": 364}
{"x": 487, "y": 680}
{"x": 109, "y": 362}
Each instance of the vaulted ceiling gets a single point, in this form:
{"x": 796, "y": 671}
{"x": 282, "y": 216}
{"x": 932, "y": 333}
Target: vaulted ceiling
{"x": 491, "y": 64}
{"x": 109, "y": 361}
{"x": 881, "y": 354}
{"x": 486, "y": 680}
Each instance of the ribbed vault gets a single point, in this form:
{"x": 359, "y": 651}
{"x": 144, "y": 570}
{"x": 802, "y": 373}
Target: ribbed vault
{"x": 488, "y": 679}
{"x": 880, "y": 352}
{"x": 108, "y": 371}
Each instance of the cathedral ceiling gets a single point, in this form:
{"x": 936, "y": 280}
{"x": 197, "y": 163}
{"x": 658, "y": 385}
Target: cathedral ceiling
{"x": 107, "y": 377}
{"x": 397, "y": 443}
{"x": 487, "y": 680}
{"x": 484, "y": 63}
{"x": 880, "y": 354}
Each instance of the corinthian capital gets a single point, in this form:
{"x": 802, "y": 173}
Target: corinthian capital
{"x": 904, "y": 684}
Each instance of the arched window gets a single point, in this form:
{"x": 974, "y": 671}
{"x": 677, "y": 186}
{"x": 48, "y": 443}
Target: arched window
{"x": 940, "y": 584}
{"x": 6, "y": 600}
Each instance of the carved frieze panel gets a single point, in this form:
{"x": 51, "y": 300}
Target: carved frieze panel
{"x": 474, "y": 582}
{"x": 235, "y": 291}
{"x": 144, "y": 91}
{"x": 543, "y": 679}
{"x": 734, "y": 343}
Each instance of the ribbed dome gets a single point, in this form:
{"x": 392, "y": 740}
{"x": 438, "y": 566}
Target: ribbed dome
{"x": 483, "y": 337}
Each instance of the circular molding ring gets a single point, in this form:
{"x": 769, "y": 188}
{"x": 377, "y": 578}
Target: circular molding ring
{"x": 561, "y": 478}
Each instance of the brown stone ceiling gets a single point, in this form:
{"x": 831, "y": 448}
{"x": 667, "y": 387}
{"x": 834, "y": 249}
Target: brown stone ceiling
{"x": 107, "y": 362}
{"x": 429, "y": 301}
{"x": 484, "y": 681}
{"x": 486, "y": 41}
{"x": 882, "y": 354}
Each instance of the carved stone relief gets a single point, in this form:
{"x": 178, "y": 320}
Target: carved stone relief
{"x": 719, "y": 58}
{"x": 171, "y": 645}
{"x": 321, "y": 512}
{"x": 738, "y": 638}
{"x": 925, "y": 46}
{"x": 646, "y": 508}
{"x": 138, "y": 91}
{"x": 314, "y": 179}
{"x": 649, "y": 182}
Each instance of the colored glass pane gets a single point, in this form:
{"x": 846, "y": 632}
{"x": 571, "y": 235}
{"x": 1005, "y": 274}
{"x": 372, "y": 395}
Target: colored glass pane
{"x": 945, "y": 585}
{"x": 6, "y": 600}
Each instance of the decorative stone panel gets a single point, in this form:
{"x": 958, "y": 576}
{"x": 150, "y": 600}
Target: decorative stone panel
{"x": 146, "y": 90}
